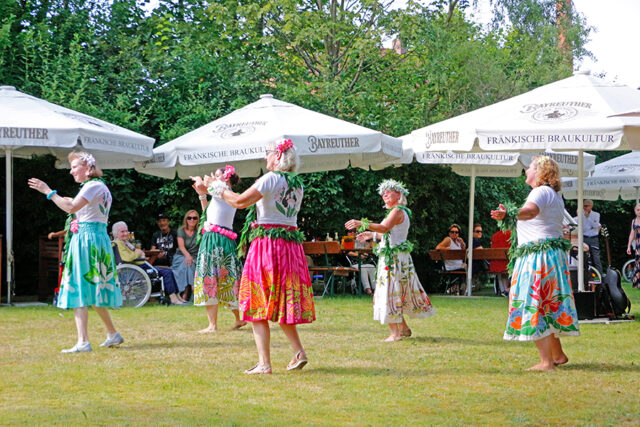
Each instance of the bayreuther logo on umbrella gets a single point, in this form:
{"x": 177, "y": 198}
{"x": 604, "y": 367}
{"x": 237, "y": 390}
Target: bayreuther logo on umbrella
{"x": 234, "y": 130}
{"x": 316, "y": 143}
{"x": 554, "y": 112}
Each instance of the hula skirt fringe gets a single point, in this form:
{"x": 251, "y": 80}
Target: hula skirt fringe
{"x": 275, "y": 283}
{"x": 218, "y": 271}
{"x": 89, "y": 276}
{"x": 541, "y": 301}
{"x": 399, "y": 292}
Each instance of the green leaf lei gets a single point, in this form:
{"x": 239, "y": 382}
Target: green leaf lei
{"x": 247, "y": 234}
{"x": 389, "y": 252}
{"x": 203, "y": 218}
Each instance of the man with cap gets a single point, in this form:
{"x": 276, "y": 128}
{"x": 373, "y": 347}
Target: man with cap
{"x": 166, "y": 240}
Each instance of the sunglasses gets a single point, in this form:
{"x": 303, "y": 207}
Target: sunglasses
{"x": 454, "y": 232}
{"x": 477, "y": 231}
{"x": 192, "y": 217}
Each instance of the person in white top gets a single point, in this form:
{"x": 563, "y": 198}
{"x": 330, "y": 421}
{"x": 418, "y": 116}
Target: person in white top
{"x": 275, "y": 284}
{"x": 89, "y": 274}
{"x": 398, "y": 290}
{"x": 541, "y": 304}
{"x": 218, "y": 268}
{"x": 591, "y": 230}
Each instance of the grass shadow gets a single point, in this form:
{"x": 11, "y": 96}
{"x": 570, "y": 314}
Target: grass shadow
{"x": 600, "y": 367}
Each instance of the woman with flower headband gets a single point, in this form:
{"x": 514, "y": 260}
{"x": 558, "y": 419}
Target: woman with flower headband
{"x": 398, "y": 290}
{"x": 218, "y": 268}
{"x": 89, "y": 275}
{"x": 541, "y": 305}
{"x": 275, "y": 283}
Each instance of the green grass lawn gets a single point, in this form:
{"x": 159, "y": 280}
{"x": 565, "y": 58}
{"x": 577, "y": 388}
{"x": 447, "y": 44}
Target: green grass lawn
{"x": 455, "y": 370}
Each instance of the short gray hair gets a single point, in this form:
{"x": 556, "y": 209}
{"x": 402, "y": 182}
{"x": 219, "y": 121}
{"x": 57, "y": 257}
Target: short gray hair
{"x": 115, "y": 228}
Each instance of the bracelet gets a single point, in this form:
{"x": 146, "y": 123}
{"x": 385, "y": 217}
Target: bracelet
{"x": 50, "y": 195}
{"x": 375, "y": 236}
{"x": 364, "y": 225}
{"x": 202, "y": 197}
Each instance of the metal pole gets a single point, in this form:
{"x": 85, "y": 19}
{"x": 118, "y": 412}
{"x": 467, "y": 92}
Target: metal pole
{"x": 472, "y": 193}
{"x": 580, "y": 217}
{"x": 9, "y": 221}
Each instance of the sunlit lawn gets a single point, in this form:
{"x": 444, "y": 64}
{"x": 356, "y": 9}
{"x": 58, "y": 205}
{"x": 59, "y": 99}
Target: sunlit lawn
{"x": 455, "y": 370}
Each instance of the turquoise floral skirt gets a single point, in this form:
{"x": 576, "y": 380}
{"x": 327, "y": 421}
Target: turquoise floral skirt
{"x": 89, "y": 276}
{"x": 218, "y": 271}
{"x": 540, "y": 300}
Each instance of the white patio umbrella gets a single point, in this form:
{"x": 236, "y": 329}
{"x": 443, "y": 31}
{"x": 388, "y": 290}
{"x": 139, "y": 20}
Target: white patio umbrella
{"x": 29, "y": 125}
{"x": 618, "y": 177}
{"x": 241, "y": 137}
{"x": 571, "y": 114}
{"x": 487, "y": 164}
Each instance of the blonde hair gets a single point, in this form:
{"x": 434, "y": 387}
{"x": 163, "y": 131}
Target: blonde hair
{"x": 94, "y": 170}
{"x": 184, "y": 220}
{"x": 548, "y": 172}
{"x": 289, "y": 160}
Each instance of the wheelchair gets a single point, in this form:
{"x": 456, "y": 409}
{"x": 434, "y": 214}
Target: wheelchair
{"x": 138, "y": 282}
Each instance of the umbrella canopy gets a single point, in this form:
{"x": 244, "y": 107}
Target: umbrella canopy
{"x": 618, "y": 177}
{"x": 29, "y": 125}
{"x": 241, "y": 138}
{"x": 577, "y": 113}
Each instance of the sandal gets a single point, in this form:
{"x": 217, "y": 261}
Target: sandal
{"x": 298, "y": 362}
{"x": 259, "y": 369}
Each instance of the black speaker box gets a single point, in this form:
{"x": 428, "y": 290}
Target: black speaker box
{"x": 585, "y": 304}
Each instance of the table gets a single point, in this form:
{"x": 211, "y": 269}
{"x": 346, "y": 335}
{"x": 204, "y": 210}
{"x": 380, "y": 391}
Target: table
{"x": 151, "y": 255}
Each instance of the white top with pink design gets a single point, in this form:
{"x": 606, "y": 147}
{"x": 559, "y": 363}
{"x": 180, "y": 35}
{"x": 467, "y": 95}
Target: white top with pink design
{"x": 279, "y": 204}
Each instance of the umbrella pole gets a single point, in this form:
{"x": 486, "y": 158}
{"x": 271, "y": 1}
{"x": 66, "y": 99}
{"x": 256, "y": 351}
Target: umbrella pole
{"x": 9, "y": 221}
{"x": 637, "y": 195}
{"x": 472, "y": 193}
{"x": 580, "y": 217}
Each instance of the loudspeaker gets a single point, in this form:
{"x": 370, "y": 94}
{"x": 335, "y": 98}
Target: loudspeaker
{"x": 585, "y": 304}
{"x": 573, "y": 272}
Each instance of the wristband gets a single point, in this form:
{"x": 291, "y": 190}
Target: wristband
{"x": 375, "y": 236}
{"x": 50, "y": 195}
{"x": 202, "y": 197}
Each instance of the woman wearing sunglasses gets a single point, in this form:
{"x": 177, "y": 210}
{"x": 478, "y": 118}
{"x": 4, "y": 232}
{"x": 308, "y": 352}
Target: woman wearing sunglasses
{"x": 218, "y": 268}
{"x": 183, "y": 264}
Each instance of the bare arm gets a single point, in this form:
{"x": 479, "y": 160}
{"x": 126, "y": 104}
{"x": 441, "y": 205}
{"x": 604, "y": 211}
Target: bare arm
{"x": 445, "y": 244}
{"x": 631, "y": 237}
{"x": 529, "y": 211}
{"x": 241, "y": 201}
{"x": 65, "y": 203}
{"x": 394, "y": 218}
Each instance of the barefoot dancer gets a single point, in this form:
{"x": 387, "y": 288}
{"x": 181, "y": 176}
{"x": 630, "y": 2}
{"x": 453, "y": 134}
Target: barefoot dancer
{"x": 218, "y": 268}
{"x": 89, "y": 275}
{"x": 398, "y": 290}
{"x": 275, "y": 281}
{"x": 541, "y": 305}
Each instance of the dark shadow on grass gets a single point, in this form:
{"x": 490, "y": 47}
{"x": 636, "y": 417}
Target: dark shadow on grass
{"x": 456, "y": 340}
{"x": 176, "y": 344}
{"x": 599, "y": 367}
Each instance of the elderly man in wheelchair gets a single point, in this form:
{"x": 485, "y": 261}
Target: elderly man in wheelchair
{"x": 138, "y": 279}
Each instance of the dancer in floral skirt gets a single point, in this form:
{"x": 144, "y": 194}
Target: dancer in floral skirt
{"x": 89, "y": 275}
{"x": 541, "y": 304}
{"x": 218, "y": 268}
{"x": 275, "y": 283}
{"x": 398, "y": 290}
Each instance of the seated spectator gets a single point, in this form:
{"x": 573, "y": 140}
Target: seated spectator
{"x": 165, "y": 240}
{"x": 453, "y": 241}
{"x": 368, "y": 271}
{"x": 501, "y": 239}
{"x": 184, "y": 259}
{"x": 130, "y": 254}
{"x": 478, "y": 266}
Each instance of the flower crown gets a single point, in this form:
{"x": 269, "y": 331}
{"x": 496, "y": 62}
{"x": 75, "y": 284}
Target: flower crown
{"x": 543, "y": 159}
{"x": 228, "y": 172}
{"x": 283, "y": 146}
{"x": 88, "y": 159}
{"x": 392, "y": 184}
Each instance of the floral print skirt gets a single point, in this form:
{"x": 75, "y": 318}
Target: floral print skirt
{"x": 276, "y": 284}
{"x": 218, "y": 271}
{"x": 399, "y": 292}
{"x": 540, "y": 300}
{"x": 89, "y": 275}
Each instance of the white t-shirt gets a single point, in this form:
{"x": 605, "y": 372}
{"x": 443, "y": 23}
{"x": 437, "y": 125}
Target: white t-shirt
{"x": 279, "y": 203}
{"x": 590, "y": 224}
{"x": 99, "y": 198}
{"x": 548, "y": 223}
{"x": 453, "y": 264}
{"x": 220, "y": 213}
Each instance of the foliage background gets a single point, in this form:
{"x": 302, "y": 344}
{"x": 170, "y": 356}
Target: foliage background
{"x": 188, "y": 62}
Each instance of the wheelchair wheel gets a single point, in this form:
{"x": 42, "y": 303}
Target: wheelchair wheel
{"x": 627, "y": 270}
{"x": 134, "y": 284}
{"x": 594, "y": 278}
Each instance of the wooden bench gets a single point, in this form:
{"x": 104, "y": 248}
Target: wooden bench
{"x": 49, "y": 253}
{"x": 453, "y": 276}
{"x": 330, "y": 272}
